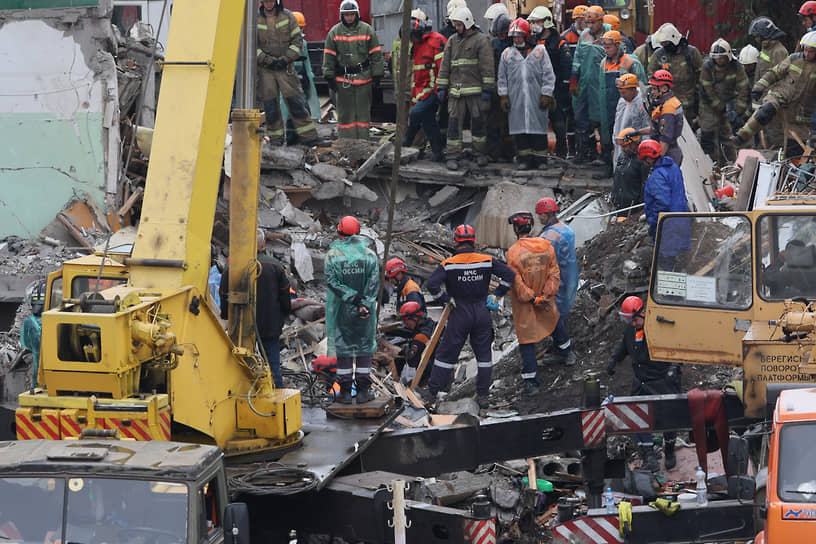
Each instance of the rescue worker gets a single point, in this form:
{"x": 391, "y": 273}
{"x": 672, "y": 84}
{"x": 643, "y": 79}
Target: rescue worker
{"x": 562, "y": 239}
{"x": 448, "y": 30}
{"x": 422, "y": 327}
{"x": 465, "y": 278}
{"x": 645, "y": 51}
{"x": 427, "y": 51}
{"x": 493, "y": 11}
{"x": 789, "y": 87}
{"x": 724, "y": 99}
{"x": 613, "y": 66}
{"x": 279, "y": 43}
{"x": 627, "y": 43}
{"x": 500, "y": 144}
{"x": 544, "y": 32}
{"x": 537, "y": 278}
{"x": 649, "y": 378}
{"x": 664, "y": 190}
{"x": 748, "y": 57}
{"x": 526, "y": 84}
{"x": 396, "y": 45}
{"x": 396, "y": 274}
{"x": 667, "y": 115}
{"x": 683, "y": 61}
{"x": 584, "y": 83}
{"x": 467, "y": 78}
{"x": 630, "y": 111}
{"x": 630, "y": 172}
{"x": 572, "y": 34}
{"x": 303, "y": 70}
{"x": 31, "y": 330}
{"x": 352, "y": 277}
{"x": 772, "y": 52}
{"x": 352, "y": 64}
{"x": 807, "y": 15}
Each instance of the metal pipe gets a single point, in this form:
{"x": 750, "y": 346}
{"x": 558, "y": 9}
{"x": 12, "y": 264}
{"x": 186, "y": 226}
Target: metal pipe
{"x": 245, "y": 74}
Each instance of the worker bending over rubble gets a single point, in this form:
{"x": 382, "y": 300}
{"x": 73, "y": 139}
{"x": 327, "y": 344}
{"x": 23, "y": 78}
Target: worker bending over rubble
{"x": 352, "y": 278}
{"x": 415, "y": 319}
{"x": 396, "y": 274}
{"x": 535, "y": 314}
{"x": 464, "y": 281}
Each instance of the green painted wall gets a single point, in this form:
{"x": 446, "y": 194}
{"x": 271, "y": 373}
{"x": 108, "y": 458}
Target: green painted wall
{"x": 41, "y": 4}
{"x": 44, "y": 162}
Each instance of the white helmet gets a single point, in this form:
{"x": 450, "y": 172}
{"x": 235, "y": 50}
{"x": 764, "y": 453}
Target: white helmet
{"x": 418, "y": 14}
{"x": 653, "y": 40}
{"x": 495, "y": 10}
{"x": 809, "y": 39}
{"x": 668, "y": 33}
{"x": 349, "y": 6}
{"x": 543, "y": 14}
{"x": 748, "y": 55}
{"x": 721, "y": 48}
{"x": 453, "y": 4}
{"x": 464, "y": 16}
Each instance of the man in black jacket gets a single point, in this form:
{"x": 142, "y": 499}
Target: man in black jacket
{"x": 650, "y": 378}
{"x": 272, "y": 304}
{"x": 630, "y": 172}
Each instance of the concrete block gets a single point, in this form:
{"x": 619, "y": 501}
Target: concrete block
{"x": 465, "y": 405}
{"x": 281, "y": 158}
{"x": 327, "y": 172}
{"x": 275, "y": 178}
{"x": 302, "y": 178}
{"x": 329, "y": 190}
{"x": 502, "y": 201}
{"x": 294, "y": 216}
{"x": 358, "y": 190}
{"x": 442, "y": 195}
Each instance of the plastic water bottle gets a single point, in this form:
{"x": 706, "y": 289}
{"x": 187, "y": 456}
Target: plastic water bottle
{"x": 607, "y": 400}
{"x": 609, "y": 501}
{"x": 702, "y": 489}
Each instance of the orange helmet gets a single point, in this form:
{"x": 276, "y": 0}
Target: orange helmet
{"x": 578, "y": 12}
{"x": 626, "y": 81}
{"x": 594, "y": 13}
{"x": 464, "y": 233}
{"x": 546, "y": 205}
{"x": 301, "y": 20}
{"x": 348, "y": 226}
{"x": 611, "y": 36}
{"x": 612, "y": 21}
{"x": 411, "y": 310}
{"x": 631, "y": 307}
{"x": 649, "y": 148}
{"x": 628, "y": 136}
{"x": 395, "y": 266}
{"x": 662, "y": 77}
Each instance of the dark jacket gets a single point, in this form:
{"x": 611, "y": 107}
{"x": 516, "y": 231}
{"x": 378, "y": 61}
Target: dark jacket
{"x": 627, "y": 186}
{"x": 651, "y": 377}
{"x": 273, "y": 300}
{"x": 466, "y": 277}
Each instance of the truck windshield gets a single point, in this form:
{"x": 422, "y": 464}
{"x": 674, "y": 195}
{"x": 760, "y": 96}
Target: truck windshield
{"x": 797, "y": 471}
{"x": 787, "y": 250}
{"x": 92, "y": 510}
{"x": 703, "y": 261}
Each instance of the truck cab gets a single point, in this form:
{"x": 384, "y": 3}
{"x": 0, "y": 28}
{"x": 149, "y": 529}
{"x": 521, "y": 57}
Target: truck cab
{"x": 94, "y": 491}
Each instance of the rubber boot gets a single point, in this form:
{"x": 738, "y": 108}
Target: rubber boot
{"x": 365, "y": 395}
{"x": 648, "y": 459}
{"x": 669, "y": 457}
{"x": 344, "y": 397}
{"x": 436, "y": 149}
{"x": 580, "y": 148}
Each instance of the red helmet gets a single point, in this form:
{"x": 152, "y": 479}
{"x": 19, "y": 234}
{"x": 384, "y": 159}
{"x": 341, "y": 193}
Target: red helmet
{"x": 464, "y": 233}
{"x": 411, "y": 310}
{"x": 649, "y": 148}
{"x": 808, "y": 8}
{"x": 394, "y": 266}
{"x": 728, "y": 190}
{"x": 348, "y": 226}
{"x": 519, "y": 27}
{"x": 662, "y": 77}
{"x": 546, "y": 205}
{"x": 631, "y": 307}
{"x": 522, "y": 222}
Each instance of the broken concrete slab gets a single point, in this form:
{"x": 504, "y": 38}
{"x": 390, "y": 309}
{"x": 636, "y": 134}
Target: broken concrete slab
{"x": 302, "y": 178}
{"x": 503, "y": 200}
{"x": 328, "y": 172}
{"x": 329, "y": 190}
{"x": 275, "y": 178}
{"x": 443, "y": 195}
{"x": 302, "y": 261}
{"x": 281, "y": 158}
{"x": 269, "y": 218}
{"x": 295, "y": 216}
{"x": 465, "y": 405}
{"x": 360, "y": 191}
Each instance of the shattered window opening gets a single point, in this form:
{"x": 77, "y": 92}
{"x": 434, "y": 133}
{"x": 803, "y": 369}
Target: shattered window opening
{"x": 787, "y": 251}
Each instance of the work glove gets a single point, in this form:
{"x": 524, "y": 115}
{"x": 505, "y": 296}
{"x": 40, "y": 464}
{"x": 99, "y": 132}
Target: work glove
{"x": 444, "y": 298}
{"x": 666, "y": 506}
{"x": 573, "y": 86}
{"x": 756, "y": 94}
{"x": 504, "y": 103}
{"x": 441, "y": 93}
{"x": 546, "y": 102}
{"x": 492, "y": 303}
{"x": 408, "y": 374}
{"x": 733, "y": 116}
{"x": 625, "y": 519}
{"x": 278, "y": 63}
{"x": 332, "y": 83}
{"x": 486, "y": 96}
{"x": 610, "y": 368}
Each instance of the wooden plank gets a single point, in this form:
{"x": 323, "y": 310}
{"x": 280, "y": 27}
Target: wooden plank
{"x": 373, "y": 160}
{"x": 134, "y": 197}
{"x": 431, "y": 345}
{"x": 408, "y": 395}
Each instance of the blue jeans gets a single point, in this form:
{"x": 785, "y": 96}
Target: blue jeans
{"x": 529, "y": 365}
{"x": 424, "y": 114}
{"x": 272, "y": 348}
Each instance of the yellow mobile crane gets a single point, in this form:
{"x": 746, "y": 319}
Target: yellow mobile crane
{"x": 131, "y": 342}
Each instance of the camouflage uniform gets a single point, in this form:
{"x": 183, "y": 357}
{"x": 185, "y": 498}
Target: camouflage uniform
{"x": 685, "y": 65}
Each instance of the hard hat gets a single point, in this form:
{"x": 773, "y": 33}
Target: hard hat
{"x": 464, "y": 16}
{"x": 668, "y": 33}
{"x": 628, "y": 136}
{"x": 500, "y": 25}
{"x": 652, "y": 39}
{"x": 522, "y": 222}
{"x": 35, "y": 296}
{"x": 661, "y": 77}
{"x": 543, "y": 14}
{"x": 519, "y": 27}
{"x": 453, "y": 4}
{"x": 765, "y": 29}
{"x": 395, "y": 266}
{"x": 419, "y": 27}
{"x": 749, "y": 55}
{"x": 808, "y": 8}
{"x": 411, "y": 310}
{"x": 721, "y": 48}
{"x": 578, "y": 12}
{"x": 809, "y": 39}
{"x": 612, "y": 21}
{"x": 650, "y": 149}
{"x": 494, "y": 10}
{"x": 546, "y": 205}
{"x": 464, "y": 233}
{"x": 626, "y": 81}
{"x": 632, "y": 306}
{"x": 301, "y": 20}
{"x": 348, "y": 226}
{"x": 728, "y": 190}
{"x": 417, "y": 13}
{"x": 612, "y": 36}
{"x": 594, "y": 13}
